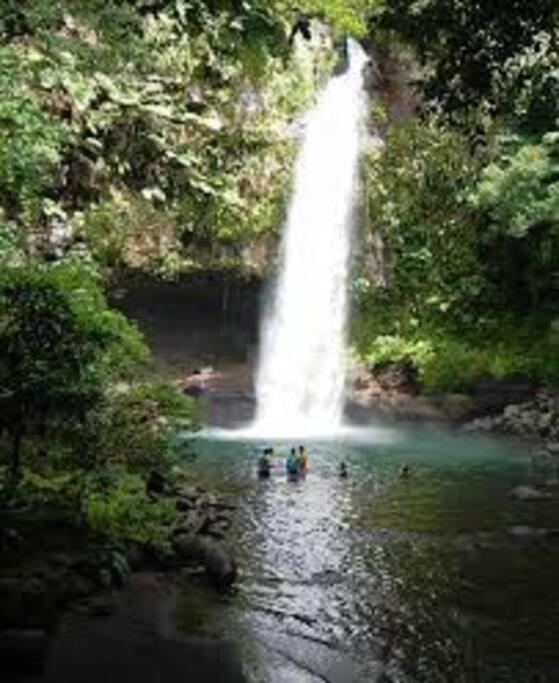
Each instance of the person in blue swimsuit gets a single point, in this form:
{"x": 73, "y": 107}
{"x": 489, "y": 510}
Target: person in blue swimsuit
{"x": 292, "y": 464}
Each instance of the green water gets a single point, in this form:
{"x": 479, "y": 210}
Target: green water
{"x": 441, "y": 576}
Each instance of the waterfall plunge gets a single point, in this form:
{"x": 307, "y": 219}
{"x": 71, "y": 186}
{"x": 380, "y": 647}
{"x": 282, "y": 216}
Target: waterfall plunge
{"x": 301, "y": 374}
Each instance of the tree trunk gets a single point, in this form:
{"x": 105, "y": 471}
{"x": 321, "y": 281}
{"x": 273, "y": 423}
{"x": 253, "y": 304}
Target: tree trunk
{"x": 16, "y": 454}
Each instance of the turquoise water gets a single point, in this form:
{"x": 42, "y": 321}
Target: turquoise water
{"x": 441, "y": 576}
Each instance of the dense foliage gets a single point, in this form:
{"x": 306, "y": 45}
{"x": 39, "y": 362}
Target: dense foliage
{"x": 160, "y": 134}
{"x": 74, "y": 432}
{"x": 467, "y": 48}
{"x": 154, "y": 132}
{"x": 59, "y": 347}
{"x": 463, "y": 195}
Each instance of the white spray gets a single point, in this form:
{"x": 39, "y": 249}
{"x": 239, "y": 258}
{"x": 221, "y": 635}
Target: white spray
{"x": 300, "y": 382}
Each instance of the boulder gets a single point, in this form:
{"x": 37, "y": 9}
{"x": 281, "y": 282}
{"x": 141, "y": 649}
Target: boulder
{"x": 219, "y": 562}
{"x": 184, "y": 504}
{"x": 105, "y": 578}
{"x": 399, "y": 377}
{"x": 528, "y": 493}
{"x": 218, "y": 530}
{"x": 190, "y": 523}
{"x": 212, "y": 554}
{"x": 527, "y": 532}
{"x": 164, "y": 555}
{"x": 512, "y": 412}
{"x": 492, "y": 395}
{"x": 187, "y": 547}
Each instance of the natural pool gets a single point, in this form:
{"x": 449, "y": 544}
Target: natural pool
{"x": 441, "y": 576}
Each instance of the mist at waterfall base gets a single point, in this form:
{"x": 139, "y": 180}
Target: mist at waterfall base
{"x": 300, "y": 380}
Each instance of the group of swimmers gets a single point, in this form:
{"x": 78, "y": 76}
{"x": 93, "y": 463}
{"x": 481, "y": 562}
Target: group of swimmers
{"x": 296, "y": 463}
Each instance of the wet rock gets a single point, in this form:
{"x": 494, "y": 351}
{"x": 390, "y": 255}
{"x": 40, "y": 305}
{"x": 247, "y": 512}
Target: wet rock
{"x": 219, "y": 562}
{"x": 512, "y": 412}
{"x": 526, "y": 532}
{"x": 104, "y": 578}
{"x": 545, "y": 421}
{"x": 188, "y": 495}
{"x": 401, "y": 377}
{"x": 482, "y": 424}
{"x": 187, "y": 547}
{"x": 164, "y": 555}
{"x": 552, "y": 448}
{"x": 492, "y": 395}
{"x": 210, "y": 518}
{"x": 224, "y": 506}
{"x": 212, "y": 554}
{"x": 191, "y": 523}
{"x": 537, "y": 417}
{"x": 218, "y": 530}
{"x": 184, "y": 504}
{"x": 528, "y": 493}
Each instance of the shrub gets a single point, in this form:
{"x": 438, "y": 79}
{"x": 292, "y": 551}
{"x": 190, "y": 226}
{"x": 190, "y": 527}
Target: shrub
{"x": 119, "y": 507}
{"x": 60, "y": 347}
{"x": 136, "y": 428}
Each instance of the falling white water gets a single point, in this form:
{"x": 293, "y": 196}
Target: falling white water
{"x": 301, "y": 375}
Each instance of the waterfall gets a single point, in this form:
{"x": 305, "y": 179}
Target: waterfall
{"x": 300, "y": 382}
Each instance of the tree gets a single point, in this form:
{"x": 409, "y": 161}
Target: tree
{"x": 60, "y": 344}
{"x": 519, "y": 197}
{"x": 466, "y": 44}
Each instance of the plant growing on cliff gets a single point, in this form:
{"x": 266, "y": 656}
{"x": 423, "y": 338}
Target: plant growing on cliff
{"x": 416, "y": 196}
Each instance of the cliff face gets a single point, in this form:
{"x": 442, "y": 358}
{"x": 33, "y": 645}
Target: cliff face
{"x": 209, "y": 320}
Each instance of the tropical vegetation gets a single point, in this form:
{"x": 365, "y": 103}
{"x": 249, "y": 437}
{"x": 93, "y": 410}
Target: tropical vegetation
{"x": 159, "y": 136}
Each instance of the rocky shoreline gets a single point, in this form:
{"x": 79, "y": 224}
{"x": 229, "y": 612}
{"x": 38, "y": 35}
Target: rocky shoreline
{"x": 49, "y": 566}
{"x": 536, "y": 418}
{"x": 512, "y": 406}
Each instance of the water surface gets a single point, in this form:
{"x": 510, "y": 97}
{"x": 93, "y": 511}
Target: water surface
{"x": 441, "y": 576}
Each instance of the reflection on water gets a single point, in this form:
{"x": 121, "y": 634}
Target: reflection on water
{"x": 441, "y": 576}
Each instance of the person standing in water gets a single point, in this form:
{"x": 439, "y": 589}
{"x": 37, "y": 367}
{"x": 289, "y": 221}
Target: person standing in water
{"x": 405, "y": 471}
{"x": 292, "y": 464}
{"x": 303, "y": 460}
{"x": 265, "y": 463}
